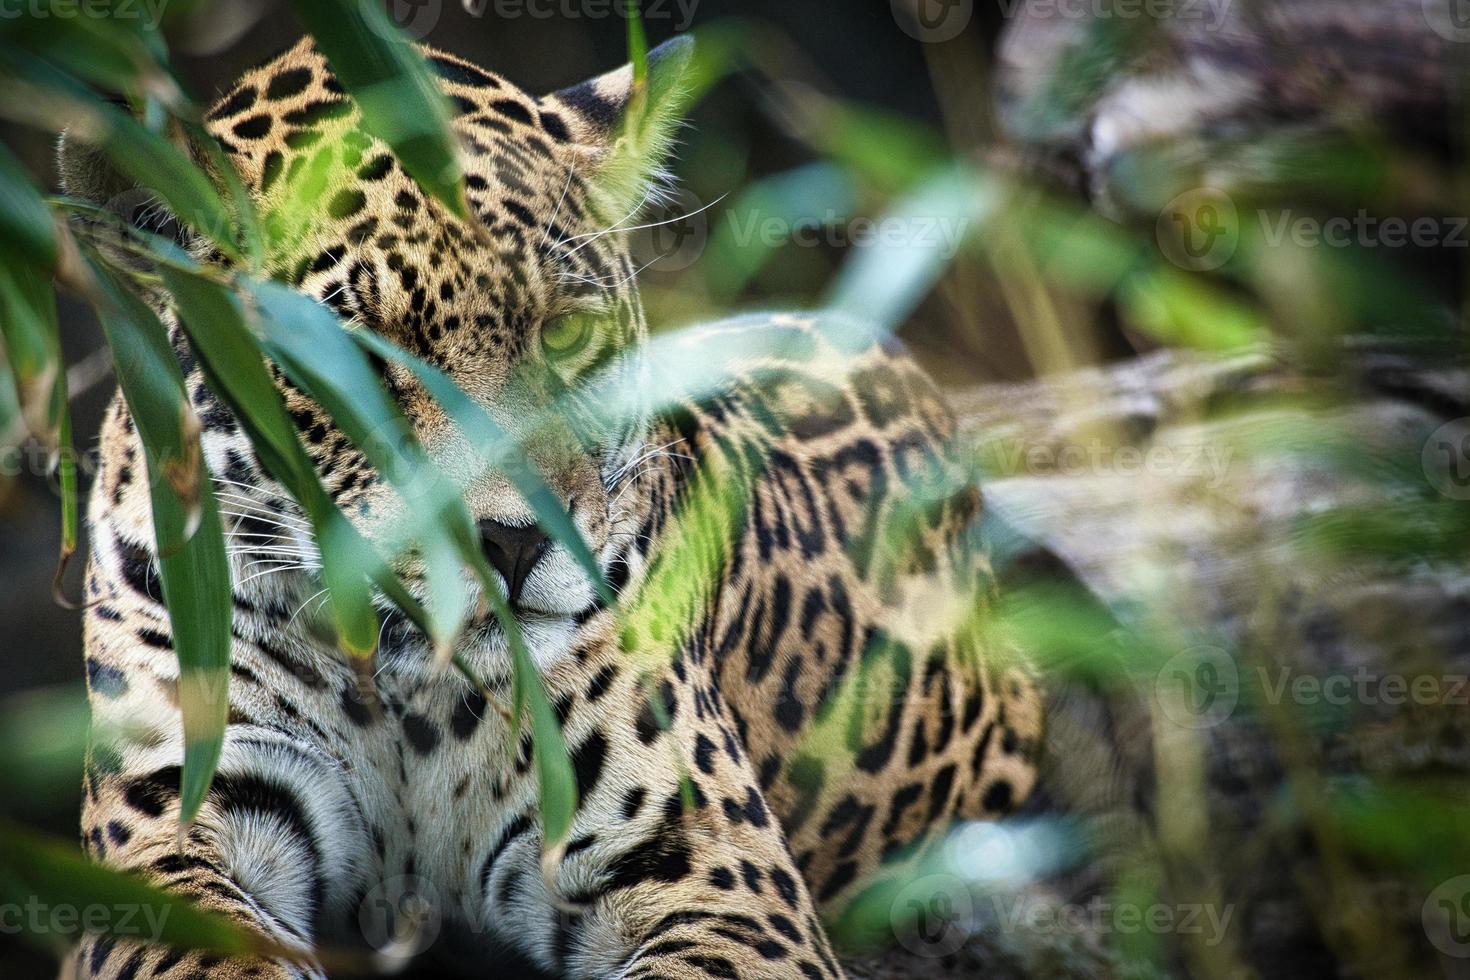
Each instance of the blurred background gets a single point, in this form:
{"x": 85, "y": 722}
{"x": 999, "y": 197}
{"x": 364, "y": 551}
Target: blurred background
{"x": 1193, "y": 273}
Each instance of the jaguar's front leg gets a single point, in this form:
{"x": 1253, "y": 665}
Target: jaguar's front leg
{"x": 742, "y": 910}
{"x": 253, "y": 857}
{"x": 678, "y": 866}
{"x": 279, "y": 841}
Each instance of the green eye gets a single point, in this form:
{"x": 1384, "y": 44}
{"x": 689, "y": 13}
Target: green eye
{"x": 566, "y": 335}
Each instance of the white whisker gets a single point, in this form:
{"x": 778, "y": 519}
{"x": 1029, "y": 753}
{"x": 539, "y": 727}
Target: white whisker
{"x": 559, "y": 201}
{"x": 652, "y": 224}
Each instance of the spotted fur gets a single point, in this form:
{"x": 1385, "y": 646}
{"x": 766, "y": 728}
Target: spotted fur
{"x": 745, "y": 759}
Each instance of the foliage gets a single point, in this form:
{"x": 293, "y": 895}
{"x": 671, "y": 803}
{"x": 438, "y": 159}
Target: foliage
{"x": 1050, "y": 267}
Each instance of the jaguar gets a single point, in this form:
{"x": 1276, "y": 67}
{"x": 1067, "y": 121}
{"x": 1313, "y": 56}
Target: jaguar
{"x": 790, "y": 693}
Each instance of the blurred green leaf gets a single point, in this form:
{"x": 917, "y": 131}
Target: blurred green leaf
{"x": 555, "y": 779}
{"x": 44, "y": 731}
{"x": 32, "y": 346}
{"x": 101, "y": 50}
{"x": 767, "y": 216}
{"x": 66, "y": 474}
{"x": 42, "y": 95}
{"x": 192, "y": 564}
{"x": 496, "y": 450}
{"x": 25, "y": 221}
{"x": 34, "y": 869}
{"x": 9, "y": 404}
{"x": 890, "y": 151}
{"x": 1190, "y": 311}
{"x": 1418, "y": 826}
{"x": 637, "y": 44}
{"x": 883, "y": 281}
{"x": 399, "y": 98}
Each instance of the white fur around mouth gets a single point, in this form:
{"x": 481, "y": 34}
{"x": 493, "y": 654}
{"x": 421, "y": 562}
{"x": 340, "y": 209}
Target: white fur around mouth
{"x": 548, "y": 639}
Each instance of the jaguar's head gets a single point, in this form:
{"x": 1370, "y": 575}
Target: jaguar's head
{"x": 520, "y": 307}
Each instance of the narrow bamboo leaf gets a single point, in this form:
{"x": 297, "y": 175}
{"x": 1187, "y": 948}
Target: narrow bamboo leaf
{"x": 101, "y": 50}
{"x": 144, "y": 156}
{"x": 192, "y": 563}
{"x": 33, "y": 346}
{"x": 637, "y": 45}
{"x": 889, "y": 151}
{"x": 400, "y": 100}
{"x": 36, "y": 869}
{"x": 212, "y": 317}
{"x": 557, "y": 783}
{"x": 305, "y": 338}
{"x": 10, "y": 422}
{"x": 496, "y": 450}
{"x": 23, "y": 326}
{"x": 884, "y": 283}
{"x": 66, "y": 476}
{"x": 321, "y": 357}
{"x": 351, "y": 599}
{"x": 25, "y": 221}
{"x": 802, "y": 198}
{"x": 1190, "y": 312}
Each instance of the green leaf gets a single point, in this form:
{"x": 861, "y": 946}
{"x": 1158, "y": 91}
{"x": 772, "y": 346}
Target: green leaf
{"x": 25, "y": 221}
{"x": 32, "y": 345}
{"x": 192, "y": 563}
{"x": 496, "y": 450}
{"x": 101, "y": 50}
{"x": 9, "y": 404}
{"x": 216, "y": 325}
{"x": 56, "y": 100}
{"x": 44, "y": 731}
{"x": 884, "y": 281}
{"x": 305, "y": 338}
{"x": 66, "y": 474}
{"x": 889, "y": 151}
{"x": 637, "y": 45}
{"x": 399, "y": 98}
{"x": 1189, "y": 311}
{"x": 323, "y": 359}
{"x": 557, "y": 783}
{"x": 803, "y": 198}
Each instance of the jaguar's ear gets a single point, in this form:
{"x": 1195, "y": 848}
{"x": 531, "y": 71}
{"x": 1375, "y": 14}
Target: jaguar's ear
{"x": 628, "y": 129}
{"x": 86, "y": 173}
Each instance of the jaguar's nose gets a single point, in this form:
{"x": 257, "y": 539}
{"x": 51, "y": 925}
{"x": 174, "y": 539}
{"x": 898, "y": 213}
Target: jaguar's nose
{"x": 514, "y": 551}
